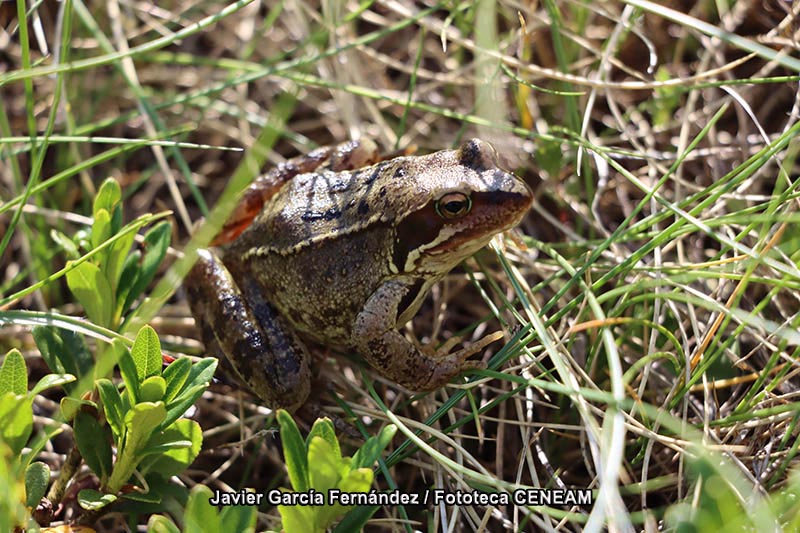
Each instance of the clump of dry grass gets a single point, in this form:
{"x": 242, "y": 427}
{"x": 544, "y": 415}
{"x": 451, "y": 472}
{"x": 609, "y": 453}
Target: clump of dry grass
{"x": 649, "y": 300}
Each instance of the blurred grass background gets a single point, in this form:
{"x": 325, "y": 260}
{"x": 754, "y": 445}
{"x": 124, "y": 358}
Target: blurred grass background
{"x": 650, "y": 299}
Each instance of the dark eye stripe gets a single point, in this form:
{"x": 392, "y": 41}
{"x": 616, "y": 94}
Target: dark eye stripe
{"x": 417, "y": 229}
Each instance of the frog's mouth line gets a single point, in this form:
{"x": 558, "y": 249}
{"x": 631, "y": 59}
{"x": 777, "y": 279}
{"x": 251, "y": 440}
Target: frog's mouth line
{"x": 492, "y": 213}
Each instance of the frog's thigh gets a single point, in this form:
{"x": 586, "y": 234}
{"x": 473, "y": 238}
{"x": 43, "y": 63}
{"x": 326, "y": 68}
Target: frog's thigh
{"x": 257, "y": 341}
{"x": 376, "y": 338}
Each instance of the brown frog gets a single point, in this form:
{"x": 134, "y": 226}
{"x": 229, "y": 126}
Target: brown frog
{"x": 342, "y": 249}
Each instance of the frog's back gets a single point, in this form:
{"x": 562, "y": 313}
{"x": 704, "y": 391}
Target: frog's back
{"x": 321, "y": 206}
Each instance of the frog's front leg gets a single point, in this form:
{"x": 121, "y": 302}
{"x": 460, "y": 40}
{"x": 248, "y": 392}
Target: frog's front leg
{"x": 259, "y": 343}
{"x": 376, "y": 338}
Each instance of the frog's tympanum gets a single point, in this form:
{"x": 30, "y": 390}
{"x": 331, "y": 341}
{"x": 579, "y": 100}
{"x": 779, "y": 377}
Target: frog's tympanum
{"x": 341, "y": 248}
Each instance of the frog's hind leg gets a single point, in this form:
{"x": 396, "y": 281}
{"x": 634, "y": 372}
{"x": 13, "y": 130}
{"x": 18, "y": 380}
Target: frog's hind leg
{"x": 256, "y": 340}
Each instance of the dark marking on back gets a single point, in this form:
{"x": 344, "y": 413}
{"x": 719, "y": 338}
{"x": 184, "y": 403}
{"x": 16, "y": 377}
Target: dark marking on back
{"x": 376, "y": 171}
{"x": 329, "y": 214}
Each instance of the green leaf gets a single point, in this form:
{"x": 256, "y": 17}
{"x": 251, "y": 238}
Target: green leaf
{"x": 116, "y": 219}
{"x": 140, "y": 422}
{"x": 51, "y": 345}
{"x": 161, "y": 524}
{"x": 326, "y": 472}
{"x": 64, "y": 352}
{"x": 156, "y": 243}
{"x": 127, "y": 369}
{"x": 117, "y": 255}
{"x": 200, "y": 515}
{"x": 294, "y": 451}
{"x": 162, "y": 448}
{"x": 93, "y": 443}
{"x": 14, "y": 374}
{"x": 152, "y": 389}
{"x": 199, "y": 377}
{"x": 359, "y": 480}
{"x": 127, "y": 279}
{"x": 184, "y": 402}
{"x": 51, "y": 380}
{"x": 369, "y": 452}
{"x": 239, "y": 518}
{"x": 12, "y": 495}
{"x": 176, "y": 375}
{"x": 108, "y": 359}
{"x": 201, "y": 373}
{"x": 101, "y": 229}
{"x": 65, "y": 243}
{"x": 323, "y": 465}
{"x": 108, "y": 196}
{"x": 146, "y": 353}
{"x": 298, "y": 519}
{"x": 356, "y": 519}
{"x": 112, "y": 406}
{"x": 92, "y": 500}
{"x": 323, "y": 428}
{"x": 70, "y": 406}
{"x": 37, "y": 478}
{"x": 91, "y": 288}
{"x": 16, "y": 420}
{"x": 174, "y": 460}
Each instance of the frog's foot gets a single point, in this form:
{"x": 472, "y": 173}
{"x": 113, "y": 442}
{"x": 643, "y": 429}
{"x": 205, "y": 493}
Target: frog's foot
{"x": 451, "y": 364}
{"x": 464, "y": 353}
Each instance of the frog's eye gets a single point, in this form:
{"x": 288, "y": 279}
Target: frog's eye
{"x": 453, "y": 205}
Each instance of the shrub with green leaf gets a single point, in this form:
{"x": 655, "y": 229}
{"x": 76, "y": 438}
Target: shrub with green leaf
{"x": 143, "y": 422}
{"x": 130, "y": 435}
{"x": 24, "y": 481}
{"x": 108, "y": 282}
{"x": 316, "y": 463}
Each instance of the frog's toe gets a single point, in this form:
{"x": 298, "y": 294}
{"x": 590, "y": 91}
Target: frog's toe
{"x": 468, "y": 351}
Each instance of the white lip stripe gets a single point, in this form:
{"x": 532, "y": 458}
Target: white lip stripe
{"x": 411, "y": 260}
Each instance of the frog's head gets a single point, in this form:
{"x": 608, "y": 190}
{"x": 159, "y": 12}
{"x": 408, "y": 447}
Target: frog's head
{"x": 464, "y": 200}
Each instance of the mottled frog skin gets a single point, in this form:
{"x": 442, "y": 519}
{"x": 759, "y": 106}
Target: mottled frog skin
{"x": 341, "y": 248}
